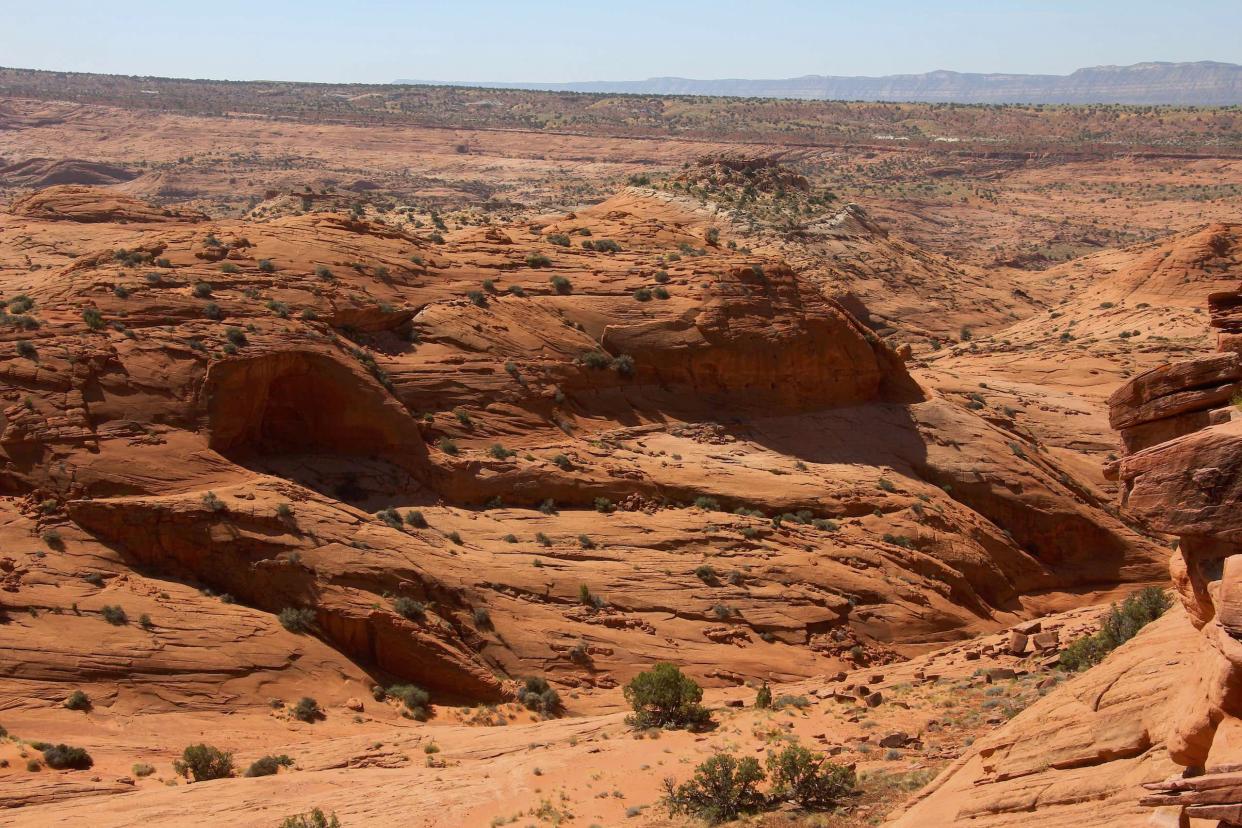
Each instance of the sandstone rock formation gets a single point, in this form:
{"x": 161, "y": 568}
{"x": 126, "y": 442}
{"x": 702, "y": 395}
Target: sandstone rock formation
{"x": 374, "y": 457}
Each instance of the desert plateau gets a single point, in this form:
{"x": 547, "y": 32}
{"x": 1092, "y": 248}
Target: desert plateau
{"x": 450, "y": 455}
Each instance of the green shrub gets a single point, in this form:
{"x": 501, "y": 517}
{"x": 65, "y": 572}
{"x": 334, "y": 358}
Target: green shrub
{"x": 665, "y": 697}
{"x": 78, "y": 701}
{"x": 624, "y": 365}
{"x": 1120, "y": 625}
{"x": 268, "y": 765}
{"x": 114, "y": 615}
{"x": 707, "y": 504}
{"x": 642, "y": 295}
{"x": 537, "y": 695}
{"x": 722, "y": 789}
{"x": 315, "y": 819}
{"x": 266, "y": 266}
{"x": 604, "y": 505}
{"x": 235, "y": 336}
{"x": 415, "y": 518}
{"x": 142, "y": 770}
{"x": 705, "y": 574}
{"x": 558, "y": 239}
{"x": 297, "y": 619}
{"x": 93, "y": 318}
{"x": 607, "y": 246}
{"x": 390, "y": 516}
{"x": 409, "y": 608}
{"x": 537, "y": 260}
{"x": 500, "y": 452}
{"x": 307, "y": 710}
{"x": 763, "y": 698}
{"x": 561, "y": 285}
{"x": 202, "y": 762}
{"x": 808, "y": 779}
{"x": 448, "y": 446}
{"x": 202, "y": 290}
{"x": 64, "y": 757}
{"x": 414, "y": 698}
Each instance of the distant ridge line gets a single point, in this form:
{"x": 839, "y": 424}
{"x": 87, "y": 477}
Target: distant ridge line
{"x": 1201, "y": 83}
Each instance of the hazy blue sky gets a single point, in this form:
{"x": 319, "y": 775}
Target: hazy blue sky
{"x": 376, "y": 41}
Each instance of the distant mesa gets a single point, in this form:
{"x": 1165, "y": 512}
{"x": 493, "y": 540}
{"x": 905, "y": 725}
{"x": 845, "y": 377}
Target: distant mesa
{"x": 1202, "y": 83}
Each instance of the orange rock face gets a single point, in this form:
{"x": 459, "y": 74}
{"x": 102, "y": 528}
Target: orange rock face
{"x": 455, "y": 464}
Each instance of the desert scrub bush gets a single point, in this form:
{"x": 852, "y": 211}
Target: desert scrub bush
{"x": 141, "y": 770}
{"x": 477, "y": 297}
{"x": 595, "y": 359}
{"x": 800, "y": 702}
{"x": 500, "y": 452}
{"x": 235, "y": 336}
{"x": 562, "y": 462}
{"x": 268, "y": 765}
{"x": 65, "y": 757}
{"x": 559, "y": 239}
{"x": 202, "y": 290}
{"x": 409, "y": 608}
{"x": 390, "y": 516}
{"x": 548, "y": 507}
{"x": 537, "y": 695}
{"x": 807, "y": 779}
{"x": 763, "y": 698}
{"x": 323, "y": 272}
{"x": 26, "y": 349}
{"x": 707, "y": 504}
{"x": 642, "y": 295}
{"x": 78, "y": 701}
{"x": 266, "y": 266}
{"x": 1120, "y": 625}
{"x": 537, "y": 260}
{"x": 114, "y": 615}
{"x": 665, "y": 697}
{"x": 93, "y": 318}
{"x": 624, "y": 365}
{"x": 722, "y": 789}
{"x": 212, "y": 502}
{"x": 660, "y": 293}
{"x": 448, "y": 446}
{"x": 561, "y": 285}
{"x": 585, "y": 541}
{"x": 307, "y": 710}
{"x": 297, "y": 619}
{"x": 201, "y": 762}
{"x": 607, "y": 246}
{"x": 415, "y": 518}
{"x": 604, "y": 505}
{"x": 415, "y": 699}
{"x": 705, "y": 574}
{"x": 314, "y": 819}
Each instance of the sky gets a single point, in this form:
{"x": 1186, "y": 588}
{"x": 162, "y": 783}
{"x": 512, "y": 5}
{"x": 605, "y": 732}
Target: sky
{"x": 378, "y": 41}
